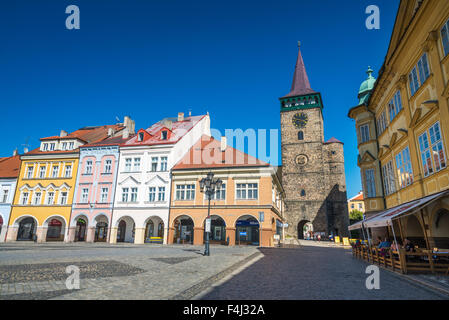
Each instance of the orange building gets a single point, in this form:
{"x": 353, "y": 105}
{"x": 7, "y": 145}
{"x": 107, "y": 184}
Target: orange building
{"x": 248, "y": 208}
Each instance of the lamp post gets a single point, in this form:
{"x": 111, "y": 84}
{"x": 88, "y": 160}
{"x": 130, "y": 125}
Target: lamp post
{"x": 209, "y": 186}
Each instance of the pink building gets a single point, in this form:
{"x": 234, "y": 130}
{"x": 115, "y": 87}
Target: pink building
{"x": 95, "y": 189}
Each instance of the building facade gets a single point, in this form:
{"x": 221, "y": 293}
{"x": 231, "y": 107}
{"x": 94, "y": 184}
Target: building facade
{"x": 357, "y": 203}
{"x": 9, "y": 171}
{"x": 95, "y": 188}
{"x": 247, "y": 209}
{"x": 312, "y": 170}
{"x": 402, "y": 122}
{"x": 45, "y": 187}
{"x": 141, "y": 205}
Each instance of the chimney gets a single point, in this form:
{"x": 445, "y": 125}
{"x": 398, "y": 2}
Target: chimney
{"x": 125, "y": 133}
{"x": 63, "y": 133}
{"x": 130, "y": 124}
{"x": 25, "y": 150}
{"x": 15, "y": 152}
{"x": 110, "y": 132}
{"x": 223, "y": 144}
{"x": 190, "y": 113}
{"x": 180, "y": 116}
{"x": 168, "y": 123}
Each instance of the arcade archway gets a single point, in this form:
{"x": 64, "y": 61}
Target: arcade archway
{"x": 305, "y": 230}
{"x": 247, "y": 230}
{"x": 183, "y": 230}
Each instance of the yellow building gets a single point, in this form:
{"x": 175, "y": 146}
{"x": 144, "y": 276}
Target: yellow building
{"x": 402, "y": 123}
{"x": 44, "y": 193}
{"x": 356, "y": 203}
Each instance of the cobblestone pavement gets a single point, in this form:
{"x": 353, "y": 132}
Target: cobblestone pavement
{"x": 122, "y": 271}
{"x": 313, "y": 273}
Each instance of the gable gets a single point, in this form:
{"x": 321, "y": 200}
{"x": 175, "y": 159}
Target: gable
{"x": 156, "y": 180}
{"x": 129, "y": 180}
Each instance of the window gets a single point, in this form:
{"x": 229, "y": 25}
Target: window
{"x": 388, "y": 178}
{"x": 136, "y": 164}
{"x": 25, "y": 196}
{"x": 185, "y": 192}
{"x": 30, "y": 172}
{"x": 88, "y": 167}
{"x": 5, "y": 195}
{"x": 152, "y": 194}
{"x": 45, "y": 147}
{"x": 104, "y": 195}
{"x": 435, "y": 148}
{"x": 164, "y": 135}
{"x": 37, "y": 198}
{"x": 42, "y": 172}
{"x": 63, "y": 198}
{"x": 52, "y": 146}
{"x": 300, "y": 135}
{"x": 220, "y": 194}
{"x": 303, "y": 193}
{"x": 71, "y": 144}
{"x": 395, "y": 105}
{"x": 404, "y": 167}
{"x": 55, "y": 171}
{"x": 108, "y": 166}
{"x": 84, "y": 195}
{"x": 370, "y": 184}
{"x": 64, "y": 146}
{"x": 247, "y": 191}
{"x": 163, "y": 163}
{"x": 125, "y": 194}
{"x": 50, "y": 197}
{"x": 133, "y": 194}
{"x": 154, "y": 161}
{"x": 141, "y": 135}
{"x": 161, "y": 194}
{"x": 128, "y": 164}
{"x": 364, "y": 133}
{"x": 445, "y": 38}
{"x": 419, "y": 74}
{"x": 352, "y": 206}
{"x": 68, "y": 171}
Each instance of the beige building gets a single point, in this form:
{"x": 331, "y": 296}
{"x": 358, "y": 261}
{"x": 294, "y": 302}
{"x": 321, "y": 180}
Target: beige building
{"x": 357, "y": 203}
{"x": 402, "y": 124}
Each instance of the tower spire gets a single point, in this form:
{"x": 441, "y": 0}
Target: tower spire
{"x": 300, "y": 84}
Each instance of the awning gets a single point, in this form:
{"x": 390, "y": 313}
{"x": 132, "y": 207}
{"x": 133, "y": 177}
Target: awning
{"x": 384, "y": 219}
{"x": 358, "y": 225}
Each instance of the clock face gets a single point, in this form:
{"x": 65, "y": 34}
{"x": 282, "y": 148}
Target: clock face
{"x": 300, "y": 120}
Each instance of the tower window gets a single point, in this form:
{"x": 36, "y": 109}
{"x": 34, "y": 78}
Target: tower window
{"x": 164, "y": 135}
{"x": 303, "y": 193}
{"x": 300, "y": 135}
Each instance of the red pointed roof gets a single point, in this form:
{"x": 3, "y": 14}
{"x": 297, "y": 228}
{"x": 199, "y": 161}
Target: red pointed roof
{"x": 206, "y": 153}
{"x": 300, "y": 84}
{"x": 358, "y": 197}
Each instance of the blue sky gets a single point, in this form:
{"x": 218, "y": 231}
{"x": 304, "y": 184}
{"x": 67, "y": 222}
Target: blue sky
{"x": 152, "y": 59}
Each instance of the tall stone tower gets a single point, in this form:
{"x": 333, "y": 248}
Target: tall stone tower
{"x": 312, "y": 170}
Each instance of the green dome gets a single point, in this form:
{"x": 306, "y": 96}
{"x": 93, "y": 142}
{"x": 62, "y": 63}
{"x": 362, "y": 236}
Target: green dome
{"x": 366, "y": 87}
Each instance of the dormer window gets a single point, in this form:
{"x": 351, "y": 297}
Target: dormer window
{"x": 71, "y": 144}
{"x": 164, "y": 135}
{"x": 141, "y": 135}
{"x": 52, "y": 146}
{"x": 64, "y": 145}
{"x": 45, "y": 147}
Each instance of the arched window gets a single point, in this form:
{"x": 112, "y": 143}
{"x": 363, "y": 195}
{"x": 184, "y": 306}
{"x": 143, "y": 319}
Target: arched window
{"x": 300, "y": 135}
{"x": 303, "y": 193}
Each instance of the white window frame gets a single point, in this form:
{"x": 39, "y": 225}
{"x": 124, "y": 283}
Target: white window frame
{"x": 243, "y": 190}
{"x": 152, "y": 194}
{"x": 104, "y": 195}
{"x": 53, "y": 175}
{"x": 24, "y": 197}
{"x": 108, "y": 166}
{"x": 431, "y": 142}
{"x": 185, "y": 192}
{"x": 389, "y": 178}
{"x": 37, "y": 198}
{"x": 5, "y": 194}
{"x": 364, "y": 133}
{"x": 68, "y": 171}
{"x": 29, "y": 173}
{"x": 161, "y": 194}
{"x": 164, "y": 161}
{"x": 134, "y": 194}
{"x": 128, "y": 164}
{"x": 154, "y": 161}
{"x": 42, "y": 173}
{"x": 89, "y": 166}
{"x": 63, "y": 198}
{"x": 404, "y": 168}
{"x": 50, "y": 198}
{"x": 84, "y": 195}
{"x": 125, "y": 194}
{"x": 136, "y": 164}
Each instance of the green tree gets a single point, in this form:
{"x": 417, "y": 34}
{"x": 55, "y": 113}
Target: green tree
{"x": 355, "y": 215}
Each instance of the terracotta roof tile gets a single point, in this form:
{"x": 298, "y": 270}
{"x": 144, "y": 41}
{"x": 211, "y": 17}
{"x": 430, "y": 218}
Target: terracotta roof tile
{"x": 206, "y": 153}
{"x": 9, "y": 167}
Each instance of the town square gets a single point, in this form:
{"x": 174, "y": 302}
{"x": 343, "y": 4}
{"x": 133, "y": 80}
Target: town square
{"x": 213, "y": 151}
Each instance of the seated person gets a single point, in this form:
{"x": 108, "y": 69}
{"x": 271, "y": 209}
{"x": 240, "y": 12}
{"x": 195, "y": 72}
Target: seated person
{"x": 408, "y": 245}
{"x": 384, "y": 244}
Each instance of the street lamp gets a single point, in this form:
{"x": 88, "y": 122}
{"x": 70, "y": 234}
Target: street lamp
{"x": 209, "y": 186}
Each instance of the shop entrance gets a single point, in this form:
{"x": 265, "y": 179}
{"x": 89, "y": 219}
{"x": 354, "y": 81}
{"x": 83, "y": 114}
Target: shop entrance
{"x": 247, "y": 231}
{"x": 26, "y": 229}
{"x": 54, "y": 231}
{"x": 217, "y": 230}
{"x": 80, "y": 231}
{"x": 183, "y": 230}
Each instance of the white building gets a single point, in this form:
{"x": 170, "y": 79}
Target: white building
{"x": 9, "y": 171}
{"x": 141, "y": 204}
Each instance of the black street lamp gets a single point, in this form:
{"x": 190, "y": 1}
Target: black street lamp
{"x": 209, "y": 186}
